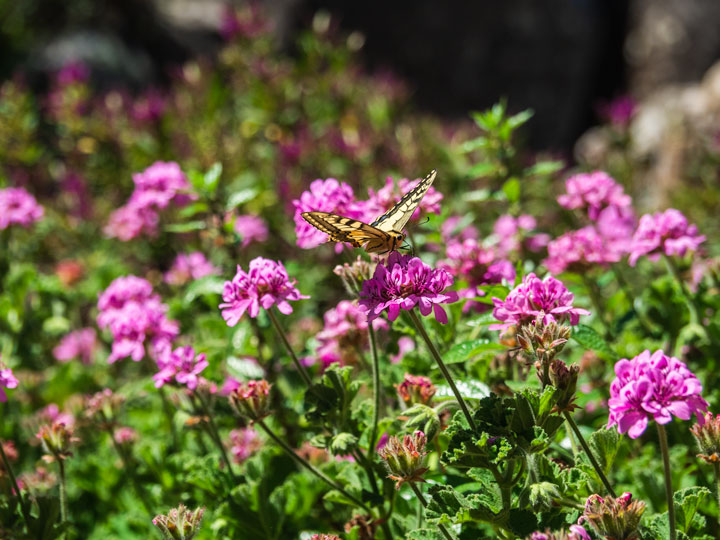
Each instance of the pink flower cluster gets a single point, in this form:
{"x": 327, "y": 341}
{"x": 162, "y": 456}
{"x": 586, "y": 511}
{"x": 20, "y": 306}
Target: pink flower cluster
{"x": 607, "y": 239}
{"x": 135, "y": 316}
{"x": 404, "y": 282}
{"x": 181, "y": 365}
{"x": 535, "y": 297}
{"x": 243, "y": 444}
{"x": 78, "y": 344}
{"x": 384, "y": 199}
{"x": 7, "y": 380}
{"x": 189, "y": 266}
{"x": 666, "y": 232}
{"x": 265, "y": 284}
{"x": 344, "y": 335}
{"x": 250, "y": 229}
{"x": 512, "y": 233}
{"x": 653, "y": 386}
{"x": 576, "y": 532}
{"x": 18, "y": 207}
{"x": 155, "y": 188}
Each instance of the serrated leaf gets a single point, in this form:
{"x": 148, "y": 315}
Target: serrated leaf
{"x": 605, "y": 444}
{"x": 468, "y": 388}
{"x": 425, "y": 534}
{"x": 588, "y": 338}
{"x": 188, "y": 226}
{"x": 687, "y": 502}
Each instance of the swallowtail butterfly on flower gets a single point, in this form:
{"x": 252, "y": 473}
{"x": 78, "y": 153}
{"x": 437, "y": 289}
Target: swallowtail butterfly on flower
{"x": 383, "y": 235}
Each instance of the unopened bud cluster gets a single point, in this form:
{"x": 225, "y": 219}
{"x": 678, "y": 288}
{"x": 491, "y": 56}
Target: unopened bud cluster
{"x": 353, "y": 275}
{"x": 324, "y": 537}
{"x": 416, "y": 389}
{"x": 616, "y": 518}
{"x": 405, "y": 458}
{"x": 252, "y": 400}
{"x": 56, "y": 439}
{"x": 564, "y": 379}
{"x": 576, "y": 532}
{"x": 707, "y": 436}
{"x": 543, "y": 340}
{"x": 179, "y": 523}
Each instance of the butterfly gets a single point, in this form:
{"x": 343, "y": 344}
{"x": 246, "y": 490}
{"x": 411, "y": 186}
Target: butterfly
{"x": 382, "y": 235}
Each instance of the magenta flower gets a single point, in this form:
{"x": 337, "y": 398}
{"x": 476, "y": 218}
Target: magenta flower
{"x": 7, "y": 380}
{"x": 471, "y": 262}
{"x": 616, "y": 224}
{"x": 536, "y": 297}
{"x": 344, "y": 335}
{"x": 72, "y": 72}
{"x": 385, "y": 198}
{"x": 250, "y": 229}
{"x": 511, "y": 234}
{"x": 135, "y": 316}
{"x": 189, "y": 266}
{"x": 593, "y": 191}
{"x": 653, "y": 386}
{"x": 78, "y": 344}
{"x": 576, "y": 532}
{"x": 182, "y": 365}
{"x": 265, "y": 284}
{"x": 244, "y": 443}
{"x": 159, "y": 185}
{"x": 404, "y": 282}
{"x": 619, "y": 111}
{"x": 666, "y": 232}
{"x": 18, "y": 207}
{"x": 324, "y": 196}
{"x": 578, "y": 250}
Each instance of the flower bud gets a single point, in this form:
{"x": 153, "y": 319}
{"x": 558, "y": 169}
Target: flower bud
{"x": 56, "y": 439}
{"x": 405, "y": 458}
{"x": 416, "y": 389}
{"x": 179, "y": 523}
{"x": 324, "y": 537}
{"x": 252, "y": 400}
{"x": 707, "y": 436}
{"x": 353, "y": 275}
{"x": 543, "y": 340}
{"x": 543, "y": 495}
{"x": 614, "y": 518}
{"x": 564, "y": 379}
{"x": 576, "y": 532}
{"x": 103, "y": 406}
{"x": 125, "y": 436}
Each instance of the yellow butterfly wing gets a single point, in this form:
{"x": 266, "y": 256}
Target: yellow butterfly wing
{"x": 395, "y": 219}
{"x": 345, "y": 229}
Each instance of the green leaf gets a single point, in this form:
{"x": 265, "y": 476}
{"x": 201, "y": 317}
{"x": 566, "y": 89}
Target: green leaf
{"x": 605, "y": 444}
{"x": 544, "y": 168}
{"x": 343, "y": 444}
{"x": 511, "y": 189}
{"x": 468, "y": 388}
{"x": 425, "y": 534}
{"x": 243, "y": 368}
{"x": 460, "y": 352}
{"x": 241, "y": 197}
{"x": 187, "y": 226}
{"x": 522, "y": 522}
{"x": 212, "y": 178}
{"x": 201, "y": 287}
{"x": 588, "y": 338}
{"x": 687, "y": 502}
{"x": 520, "y": 118}
{"x": 483, "y": 169}
{"x": 424, "y": 418}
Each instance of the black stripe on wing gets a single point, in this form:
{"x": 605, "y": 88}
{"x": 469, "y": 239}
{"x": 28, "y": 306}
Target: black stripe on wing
{"x": 397, "y": 217}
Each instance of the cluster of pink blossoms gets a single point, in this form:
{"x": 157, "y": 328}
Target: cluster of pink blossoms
{"x": 653, "y": 386}
{"x": 404, "y": 282}
{"x": 135, "y": 316}
{"x": 384, "y": 199}
{"x": 265, "y": 284}
{"x": 18, "y": 207}
{"x": 534, "y": 297}
{"x": 608, "y": 238}
{"x": 666, "y": 232}
{"x": 155, "y": 188}
{"x": 250, "y": 229}
{"x": 244, "y": 443}
{"x": 512, "y": 233}
{"x": 181, "y": 365}
{"x": 78, "y": 344}
{"x": 344, "y": 335}
{"x": 7, "y": 380}
{"x": 189, "y": 266}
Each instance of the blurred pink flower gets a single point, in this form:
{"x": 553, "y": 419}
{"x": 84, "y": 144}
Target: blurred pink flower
{"x": 250, "y": 229}
{"x": 344, "y": 335}
{"x": 78, "y": 344}
{"x": 665, "y": 232}
{"x": 125, "y": 435}
{"x": 149, "y": 107}
{"x": 18, "y": 207}
{"x": 324, "y": 196}
{"x": 72, "y": 72}
{"x": 385, "y": 198}
{"x": 181, "y": 365}
{"x": 7, "y": 380}
{"x": 265, "y": 284}
{"x": 159, "y": 185}
{"x": 534, "y": 297}
{"x": 130, "y": 221}
{"x": 512, "y": 233}
{"x": 244, "y": 443}
{"x": 405, "y": 345}
{"x": 655, "y": 387}
{"x": 579, "y": 250}
{"x": 618, "y": 111}
{"x": 593, "y": 191}
{"x": 53, "y": 415}
{"x": 189, "y": 266}
{"x": 404, "y": 282}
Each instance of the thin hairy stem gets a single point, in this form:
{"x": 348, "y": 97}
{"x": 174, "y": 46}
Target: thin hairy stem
{"x": 63, "y": 491}
{"x": 662, "y": 435}
{"x": 16, "y": 487}
{"x": 422, "y": 500}
{"x": 284, "y": 339}
{"x": 589, "y": 453}
{"x": 215, "y": 434}
{"x": 436, "y": 355}
{"x": 376, "y": 392}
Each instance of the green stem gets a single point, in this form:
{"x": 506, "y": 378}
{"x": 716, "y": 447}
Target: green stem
{"x": 215, "y": 434}
{"x": 662, "y": 435}
{"x": 16, "y": 487}
{"x": 689, "y": 299}
{"x": 716, "y": 466}
{"x": 436, "y": 355}
{"x": 322, "y": 476}
{"x": 167, "y": 409}
{"x": 284, "y": 339}
{"x": 63, "y": 491}
{"x": 376, "y": 392}
{"x": 631, "y": 296}
{"x": 589, "y": 453}
{"x": 597, "y": 302}
{"x": 130, "y": 468}
{"x": 422, "y": 500}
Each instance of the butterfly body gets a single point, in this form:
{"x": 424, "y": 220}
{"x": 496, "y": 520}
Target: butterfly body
{"x": 383, "y": 235}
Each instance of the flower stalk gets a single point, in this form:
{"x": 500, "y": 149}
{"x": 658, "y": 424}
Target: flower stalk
{"x": 662, "y": 435}
{"x": 288, "y": 347}
{"x": 589, "y": 453}
{"x": 436, "y": 355}
{"x": 376, "y": 392}
{"x": 215, "y": 434}
{"x": 16, "y": 486}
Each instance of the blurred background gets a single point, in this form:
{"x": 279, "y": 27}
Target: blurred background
{"x": 563, "y": 59}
